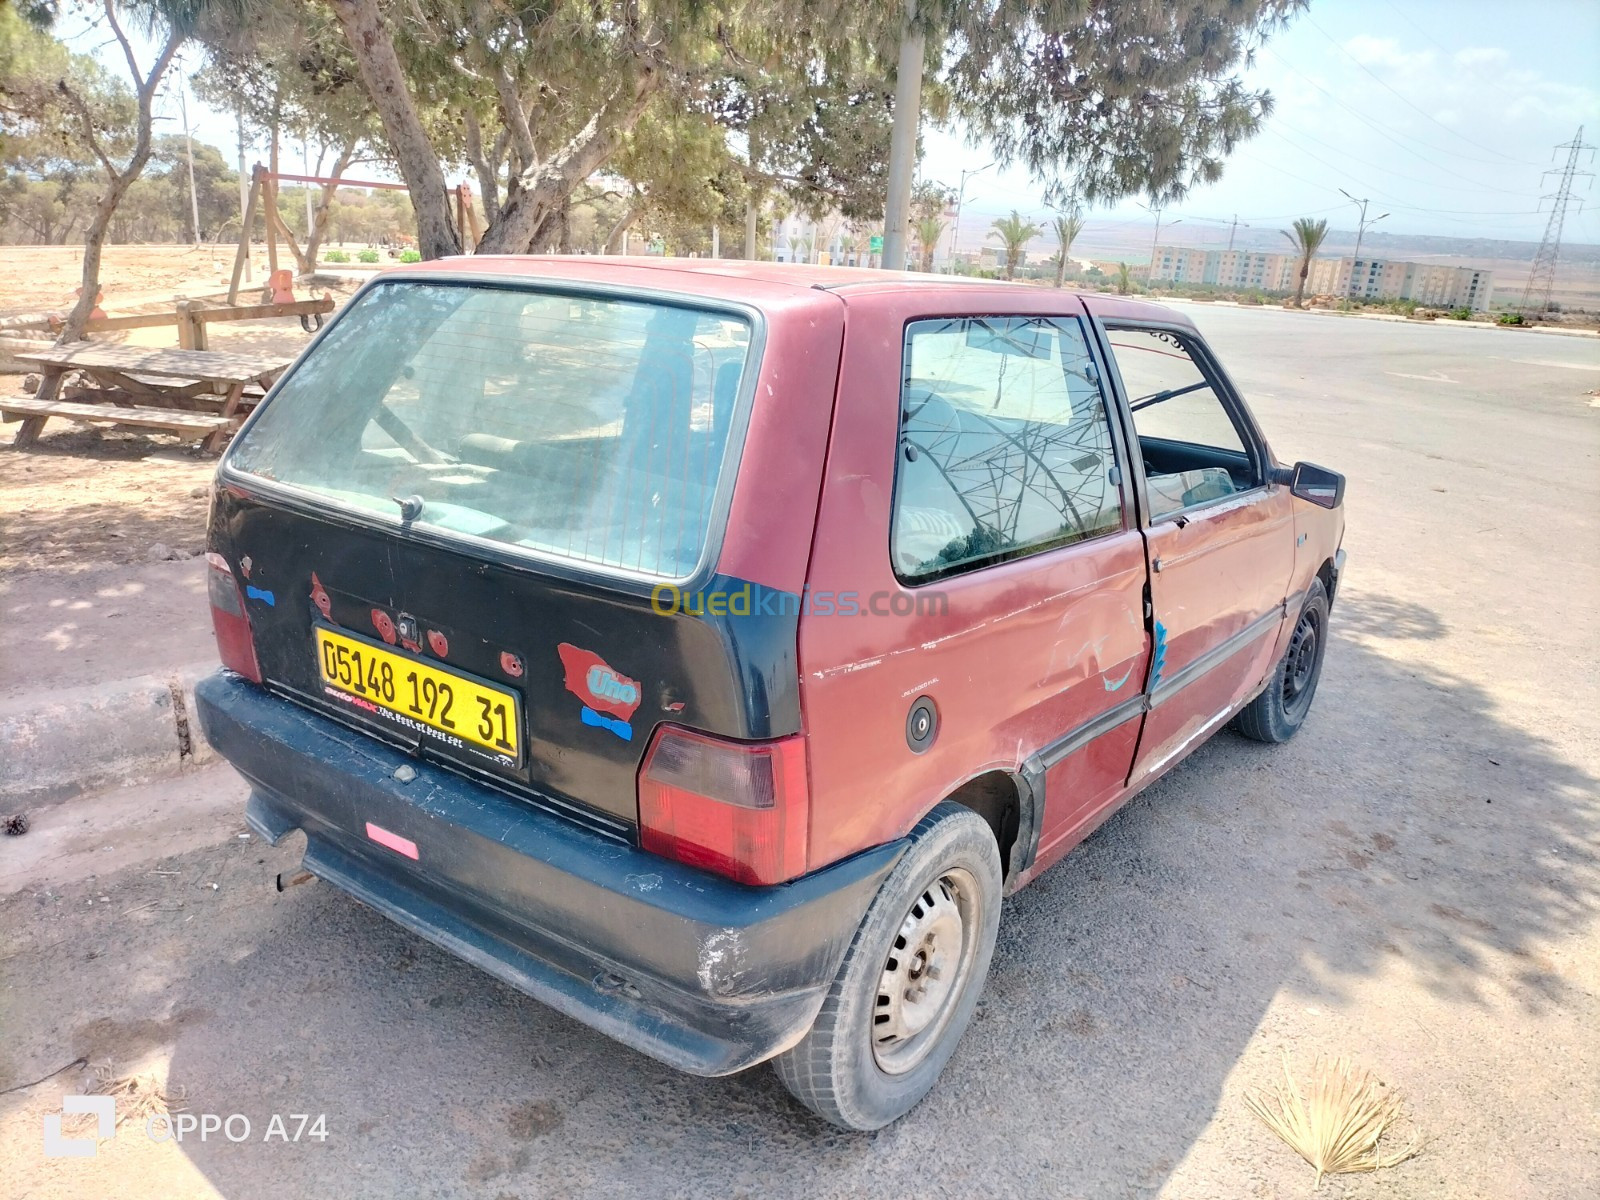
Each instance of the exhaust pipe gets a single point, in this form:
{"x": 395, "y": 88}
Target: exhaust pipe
{"x": 293, "y": 878}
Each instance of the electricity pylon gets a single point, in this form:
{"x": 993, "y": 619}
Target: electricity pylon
{"x": 1542, "y": 279}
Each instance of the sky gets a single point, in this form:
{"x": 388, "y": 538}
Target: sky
{"x": 1444, "y": 113}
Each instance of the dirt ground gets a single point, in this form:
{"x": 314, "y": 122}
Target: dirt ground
{"x": 45, "y": 278}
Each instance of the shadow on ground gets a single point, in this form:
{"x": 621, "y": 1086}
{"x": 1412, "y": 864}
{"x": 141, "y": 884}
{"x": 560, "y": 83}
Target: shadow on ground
{"x": 1407, "y": 823}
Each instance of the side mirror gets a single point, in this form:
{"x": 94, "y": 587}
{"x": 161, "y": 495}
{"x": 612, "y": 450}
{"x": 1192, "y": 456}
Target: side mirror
{"x": 1317, "y": 485}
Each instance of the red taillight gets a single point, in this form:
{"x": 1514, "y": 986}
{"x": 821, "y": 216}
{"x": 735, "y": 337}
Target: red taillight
{"x": 739, "y": 809}
{"x": 235, "y": 644}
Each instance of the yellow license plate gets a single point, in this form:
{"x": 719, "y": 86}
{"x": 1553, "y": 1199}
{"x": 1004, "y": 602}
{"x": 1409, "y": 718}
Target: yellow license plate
{"x": 421, "y": 697}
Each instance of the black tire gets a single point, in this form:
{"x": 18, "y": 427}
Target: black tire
{"x": 852, "y": 1069}
{"x": 1278, "y": 712}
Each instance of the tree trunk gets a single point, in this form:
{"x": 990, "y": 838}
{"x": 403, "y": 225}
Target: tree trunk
{"x": 1300, "y": 287}
{"x": 624, "y": 223}
{"x": 1061, "y": 267}
{"x": 544, "y": 189}
{"x": 386, "y": 84}
{"x": 319, "y": 219}
{"x": 752, "y": 218}
{"x": 903, "y": 140}
{"x": 117, "y": 184}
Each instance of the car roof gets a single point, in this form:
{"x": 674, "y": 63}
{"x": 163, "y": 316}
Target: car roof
{"x": 739, "y": 279}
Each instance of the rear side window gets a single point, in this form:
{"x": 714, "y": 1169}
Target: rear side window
{"x": 1005, "y": 444}
{"x": 587, "y": 428}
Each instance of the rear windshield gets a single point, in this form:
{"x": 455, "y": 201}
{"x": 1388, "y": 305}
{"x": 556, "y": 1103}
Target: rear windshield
{"x": 588, "y": 428}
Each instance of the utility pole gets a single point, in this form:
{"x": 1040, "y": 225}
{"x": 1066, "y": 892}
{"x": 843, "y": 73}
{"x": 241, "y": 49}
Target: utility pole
{"x": 1361, "y": 229}
{"x": 961, "y": 195}
{"x": 188, "y": 143}
{"x": 903, "y": 140}
{"x": 1233, "y": 225}
{"x": 1542, "y": 278}
{"x": 1156, "y": 240}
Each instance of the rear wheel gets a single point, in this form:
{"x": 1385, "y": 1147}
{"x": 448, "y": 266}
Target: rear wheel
{"x": 1279, "y": 711}
{"x": 909, "y": 982}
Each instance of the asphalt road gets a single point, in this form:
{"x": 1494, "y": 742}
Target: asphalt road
{"x": 1413, "y": 881}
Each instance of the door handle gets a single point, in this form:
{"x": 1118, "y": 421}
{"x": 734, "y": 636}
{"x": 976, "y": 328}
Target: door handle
{"x": 1155, "y": 565}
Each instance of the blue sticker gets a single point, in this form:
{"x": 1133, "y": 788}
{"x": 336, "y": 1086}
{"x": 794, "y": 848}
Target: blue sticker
{"x": 266, "y": 598}
{"x": 1159, "y": 659}
{"x": 1117, "y": 686}
{"x": 621, "y": 728}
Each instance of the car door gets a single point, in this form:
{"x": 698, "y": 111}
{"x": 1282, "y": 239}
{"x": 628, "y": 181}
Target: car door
{"x": 1218, "y": 534}
{"x": 977, "y": 524}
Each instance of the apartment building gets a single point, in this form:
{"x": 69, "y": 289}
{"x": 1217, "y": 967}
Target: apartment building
{"x": 1393, "y": 279}
{"x": 1225, "y": 268}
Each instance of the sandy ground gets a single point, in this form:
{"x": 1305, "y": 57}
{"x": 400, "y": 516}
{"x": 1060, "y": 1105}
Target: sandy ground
{"x": 1413, "y": 881}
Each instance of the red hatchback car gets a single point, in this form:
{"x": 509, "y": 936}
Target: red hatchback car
{"x": 706, "y": 648}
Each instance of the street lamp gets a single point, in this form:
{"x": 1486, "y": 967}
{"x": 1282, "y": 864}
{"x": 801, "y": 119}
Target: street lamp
{"x": 961, "y": 194}
{"x": 1155, "y": 241}
{"x": 1361, "y": 228}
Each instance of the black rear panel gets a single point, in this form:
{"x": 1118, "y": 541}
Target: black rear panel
{"x": 595, "y": 668}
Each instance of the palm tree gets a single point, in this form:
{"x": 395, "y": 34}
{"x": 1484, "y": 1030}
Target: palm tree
{"x": 1124, "y": 279}
{"x": 1307, "y": 238}
{"x": 1015, "y": 233}
{"x": 1067, "y": 226}
{"x": 847, "y": 247}
{"x": 928, "y": 230}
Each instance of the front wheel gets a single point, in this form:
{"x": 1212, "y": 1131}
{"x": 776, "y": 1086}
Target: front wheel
{"x": 909, "y": 982}
{"x": 1279, "y": 711}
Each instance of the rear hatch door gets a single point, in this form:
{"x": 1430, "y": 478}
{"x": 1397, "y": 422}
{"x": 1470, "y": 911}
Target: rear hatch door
{"x": 453, "y": 521}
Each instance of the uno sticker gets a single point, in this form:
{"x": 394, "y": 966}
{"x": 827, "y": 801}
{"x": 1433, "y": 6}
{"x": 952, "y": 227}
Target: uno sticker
{"x": 599, "y": 685}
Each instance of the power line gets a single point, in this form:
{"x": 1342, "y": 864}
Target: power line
{"x": 1453, "y": 54}
{"x": 1542, "y": 278}
{"x": 1279, "y": 121}
{"x": 1381, "y": 131}
{"x": 1403, "y": 99}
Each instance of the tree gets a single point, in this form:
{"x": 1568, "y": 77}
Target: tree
{"x": 1067, "y": 227}
{"x": 1015, "y": 234}
{"x": 71, "y": 100}
{"x": 1124, "y": 279}
{"x": 1307, "y": 239}
{"x": 1098, "y": 98}
{"x": 284, "y": 67}
{"x": 929, "y": 230}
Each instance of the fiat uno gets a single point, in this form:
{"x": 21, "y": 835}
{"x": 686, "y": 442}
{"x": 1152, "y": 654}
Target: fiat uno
{"x": 706, "y": 649}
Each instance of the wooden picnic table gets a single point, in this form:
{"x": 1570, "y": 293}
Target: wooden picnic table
{"x": 176, "y": 390}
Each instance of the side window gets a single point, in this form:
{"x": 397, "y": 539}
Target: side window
{"x": 1193, "y": 450}
{"x": 1005, "y": 445}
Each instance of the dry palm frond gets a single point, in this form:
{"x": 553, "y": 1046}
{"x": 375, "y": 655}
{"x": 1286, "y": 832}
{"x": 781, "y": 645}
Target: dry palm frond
{"x": 138, "y": 1096}
{"x": 1338, "y": 1126}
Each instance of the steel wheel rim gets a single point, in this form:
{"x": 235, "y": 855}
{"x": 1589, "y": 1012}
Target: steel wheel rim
{"x": 925, "y": 971}
{"x": 1300, "y": 662}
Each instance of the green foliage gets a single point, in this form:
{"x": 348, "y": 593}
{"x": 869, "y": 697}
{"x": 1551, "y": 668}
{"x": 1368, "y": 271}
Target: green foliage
{"x": 1124, "y": 279}
{"x": 1509, "y": 318}
{"x": 1306, "y": 239}
{"x": 371, "y": 256}
{"x": 410, "y": 256}
{"x": 928, "y": 230}
{"x": 1014, "y": 233}
{"x": 1066, "y": 226}
{"x": 1105, "y": 98}
{"x": 1462, "y": 313}
{"x": 338, "y": 256}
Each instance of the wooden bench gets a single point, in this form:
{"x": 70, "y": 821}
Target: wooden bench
{"x": 171, "y": 420}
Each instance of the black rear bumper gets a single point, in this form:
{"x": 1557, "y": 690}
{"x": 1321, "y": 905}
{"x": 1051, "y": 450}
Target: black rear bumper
{"x": 706, "y": 975}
